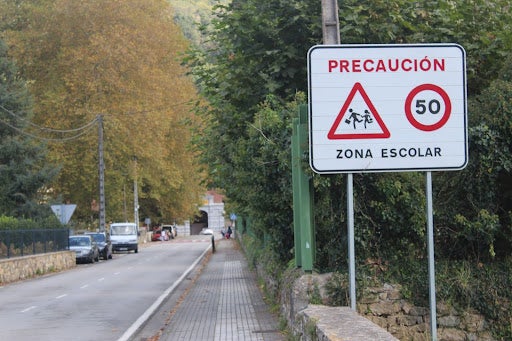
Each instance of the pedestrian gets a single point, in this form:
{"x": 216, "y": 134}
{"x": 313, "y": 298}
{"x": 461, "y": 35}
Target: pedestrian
{"x": 228, "y": 234}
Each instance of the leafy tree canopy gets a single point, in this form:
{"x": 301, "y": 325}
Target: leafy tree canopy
{"x": 258, "y": 51}
{"x": 23, "y": 173}
{"x": 119, "y": 60}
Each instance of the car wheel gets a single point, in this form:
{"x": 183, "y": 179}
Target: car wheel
{"x": 136, "y": 250}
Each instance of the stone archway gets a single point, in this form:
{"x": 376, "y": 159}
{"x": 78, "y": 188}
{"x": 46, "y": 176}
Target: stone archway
{"x": 199, "y": 223}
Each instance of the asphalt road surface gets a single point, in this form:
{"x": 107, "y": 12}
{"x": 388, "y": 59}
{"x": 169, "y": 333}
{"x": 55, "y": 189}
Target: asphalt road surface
{"x": 108, "y": 300}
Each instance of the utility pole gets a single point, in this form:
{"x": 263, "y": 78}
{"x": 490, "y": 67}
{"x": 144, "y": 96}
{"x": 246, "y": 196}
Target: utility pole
{"x": 101, "y": 173}
{"x": 331, "y": 36}
{"x": 124, "y": 203}
{"x": 330, "y": 22}
{"x": 135, "y": 195}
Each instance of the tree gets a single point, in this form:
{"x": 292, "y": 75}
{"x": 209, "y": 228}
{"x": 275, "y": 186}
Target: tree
{"x": 190, "y": 15}
{"x": 23, "y": 172}
{"x": 481, "y": 27}
{"x": 256, "y": 48}
{"x": 120, "y": 60}
{"x": 259, "y": 51}
{"x": 480, "y": 226}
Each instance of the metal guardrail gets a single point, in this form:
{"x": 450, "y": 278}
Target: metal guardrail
{"x": 18, "y": 243}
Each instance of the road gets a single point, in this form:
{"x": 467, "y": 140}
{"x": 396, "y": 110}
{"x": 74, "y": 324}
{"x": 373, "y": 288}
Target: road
{"x": 107, "y": 300}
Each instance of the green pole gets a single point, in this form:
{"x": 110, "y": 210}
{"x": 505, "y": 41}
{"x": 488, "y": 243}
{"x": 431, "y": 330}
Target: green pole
{"x": 296, "y": 192}
{"x": 303, "y": 227}
{"x": 308, "y": 244}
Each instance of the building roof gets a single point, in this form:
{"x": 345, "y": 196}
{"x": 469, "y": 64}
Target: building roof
{"x": 217, "y": 198}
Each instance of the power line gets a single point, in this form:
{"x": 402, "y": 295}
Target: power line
{"x": 81, "y": 130}
{"x": 62, "y": 139}
{"x": 155, "y": 109}
{"x": 45, "y": 128}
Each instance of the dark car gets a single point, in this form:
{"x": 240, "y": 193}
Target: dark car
{"x": 104, "y": 243}
{"x": 85, "y": 248}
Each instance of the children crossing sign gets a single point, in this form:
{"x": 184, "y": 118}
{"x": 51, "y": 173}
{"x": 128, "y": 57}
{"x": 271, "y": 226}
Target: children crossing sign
{"x": 382, "y": 108}
{"x": 363, "y": 124}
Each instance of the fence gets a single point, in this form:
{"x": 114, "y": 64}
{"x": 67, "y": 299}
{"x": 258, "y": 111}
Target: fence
{"x": 18, "y": 243}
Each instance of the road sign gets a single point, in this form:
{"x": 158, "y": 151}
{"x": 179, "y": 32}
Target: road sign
{"x": 348, "y": 118}
{"x": 63, "y": 212}
{"x": 384, "y": 108}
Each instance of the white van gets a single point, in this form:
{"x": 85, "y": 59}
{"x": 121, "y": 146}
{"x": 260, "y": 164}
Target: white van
{"x": 124, "y": 237}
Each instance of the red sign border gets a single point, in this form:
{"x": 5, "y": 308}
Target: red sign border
{"x": 332, "y": 132}
{"x": 447, "y": 110}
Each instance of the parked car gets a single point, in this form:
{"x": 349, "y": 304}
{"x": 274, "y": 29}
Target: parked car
{"x": 207, "y": 231}
{"x": 156, "y": 235}
{"x": 85, "y": 248}
{"x": 172, "y": 230}
{"x": 104, "y": 243}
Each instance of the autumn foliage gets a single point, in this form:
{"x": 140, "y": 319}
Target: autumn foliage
{"x": 121, "y": 60}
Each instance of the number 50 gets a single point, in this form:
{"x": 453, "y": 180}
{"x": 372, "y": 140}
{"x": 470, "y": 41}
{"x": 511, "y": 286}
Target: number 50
{"x": 433, "y": 106}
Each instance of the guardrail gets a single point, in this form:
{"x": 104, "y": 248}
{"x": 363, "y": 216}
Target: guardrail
{"x": 18, "y": 243}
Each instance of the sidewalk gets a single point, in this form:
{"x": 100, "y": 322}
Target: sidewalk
{"x": 224, "y": 304}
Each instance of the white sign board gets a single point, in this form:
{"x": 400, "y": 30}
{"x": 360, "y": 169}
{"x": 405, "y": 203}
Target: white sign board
{"x": 383, "y": 108}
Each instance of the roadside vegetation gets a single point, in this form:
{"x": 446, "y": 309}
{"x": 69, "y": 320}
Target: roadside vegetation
{"x": 253, "y": 74}
{"x": 118, "y": 59}
{"x": 64, "y": 62}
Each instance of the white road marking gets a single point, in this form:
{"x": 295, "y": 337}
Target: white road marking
{"x": 145, "y": 316}
{"x": 28, "y": 309}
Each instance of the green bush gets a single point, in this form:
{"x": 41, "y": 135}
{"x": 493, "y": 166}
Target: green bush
{"x": 10, "y": 223}
{"x": 337, "y": 289}
{"x": 484, "y": 287}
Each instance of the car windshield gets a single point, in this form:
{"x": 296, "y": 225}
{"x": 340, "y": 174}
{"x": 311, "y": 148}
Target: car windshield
{"x": 79, "y": 241}
{"x": 122, "y": 230}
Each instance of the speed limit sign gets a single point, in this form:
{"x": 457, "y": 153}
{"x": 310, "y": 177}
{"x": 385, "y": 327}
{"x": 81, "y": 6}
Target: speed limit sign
{"x": 431, "y": 109}
{"x": 379, "y": 108}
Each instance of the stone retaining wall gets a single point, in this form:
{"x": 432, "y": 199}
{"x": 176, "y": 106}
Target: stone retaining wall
{"x": 19, "y": 268}
{"x": 386, "y": 307}
{"x": 383, "y": 314}
{"x": 311, "y": 322}
{"x": 322, "y": 323}
{"x": 383, "y": 306}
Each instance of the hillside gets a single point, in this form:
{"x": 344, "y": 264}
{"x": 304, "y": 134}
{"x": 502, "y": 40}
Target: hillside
{"x": 190, "y": 14}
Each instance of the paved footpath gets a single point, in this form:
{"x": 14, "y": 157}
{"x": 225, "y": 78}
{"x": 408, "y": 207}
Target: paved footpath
{"x": 224, "y": 304}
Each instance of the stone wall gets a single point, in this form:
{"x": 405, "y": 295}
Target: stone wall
{"x": 383, "y": 307}
{"x": 311, "y": 322}
{"x": 19, "y": 268}
{"x": 215, "y": 212}
{"x": 386, "y": 307}
{"x": 319, "y": 322}
{"x": 304, "y": 304}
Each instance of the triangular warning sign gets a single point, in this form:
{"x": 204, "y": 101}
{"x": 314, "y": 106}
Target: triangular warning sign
{"x": 358, "y": 119}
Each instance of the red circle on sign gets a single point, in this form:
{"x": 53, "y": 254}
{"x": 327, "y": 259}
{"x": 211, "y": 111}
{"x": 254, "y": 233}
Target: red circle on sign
{"x": 447, "y": 109}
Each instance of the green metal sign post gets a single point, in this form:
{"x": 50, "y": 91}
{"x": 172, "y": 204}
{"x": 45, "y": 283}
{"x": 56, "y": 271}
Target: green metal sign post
{"x": 304, "y": 234}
